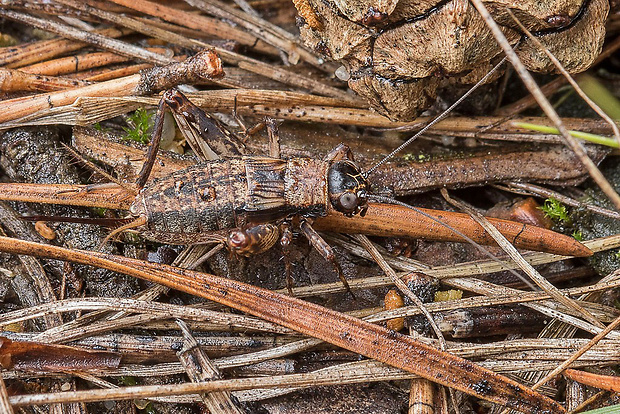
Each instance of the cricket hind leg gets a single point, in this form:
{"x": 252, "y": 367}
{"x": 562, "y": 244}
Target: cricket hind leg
{"x": 208, "y": 138}
{"x": 255, "y": 239}
{"x": 325, "y": 250}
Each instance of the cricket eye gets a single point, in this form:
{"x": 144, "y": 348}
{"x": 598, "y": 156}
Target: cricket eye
{"x": 348, "y": 201}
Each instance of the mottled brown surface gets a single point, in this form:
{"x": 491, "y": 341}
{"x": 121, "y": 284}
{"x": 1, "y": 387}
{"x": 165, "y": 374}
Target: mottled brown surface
{"x": 393, "y": 49}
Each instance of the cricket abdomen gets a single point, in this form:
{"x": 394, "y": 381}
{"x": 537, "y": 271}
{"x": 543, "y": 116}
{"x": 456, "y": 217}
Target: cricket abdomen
{"x": 204, "y": 202}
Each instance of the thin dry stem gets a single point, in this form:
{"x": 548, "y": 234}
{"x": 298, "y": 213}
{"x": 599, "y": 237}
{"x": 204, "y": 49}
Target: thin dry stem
{"x": 199, "y": 368}
{"x": 402, "y": 286}
{"x": 22, "y": 55}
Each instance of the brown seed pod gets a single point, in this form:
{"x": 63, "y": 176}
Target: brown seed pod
{"x": 393, "y": 300}
{"x": 397, "y": 54}
{"x": 44, "y": 230}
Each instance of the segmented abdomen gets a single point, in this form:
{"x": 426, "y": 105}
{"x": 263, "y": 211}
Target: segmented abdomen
{"x": 195, "y": 204}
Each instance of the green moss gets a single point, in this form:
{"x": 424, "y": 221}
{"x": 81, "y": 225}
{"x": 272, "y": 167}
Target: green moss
{"x": 140, "y": 126}
{"x": 556, "y": 211}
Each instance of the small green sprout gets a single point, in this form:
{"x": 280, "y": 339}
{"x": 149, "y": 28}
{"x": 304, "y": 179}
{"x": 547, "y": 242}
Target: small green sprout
{"x": 127, "y": 380}
{"x": 556, "y": 211}
{"x": 99, "y": 211}
{"x": 618, "y": 255}
{"x": 140, "y": 125}
{"x": 414, "y": 157}
{"x": 577, "y": 235}
{"x": 149, "y": 409}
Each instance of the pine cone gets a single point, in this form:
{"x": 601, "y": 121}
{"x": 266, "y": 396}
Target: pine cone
{"x": 398, "y": 53}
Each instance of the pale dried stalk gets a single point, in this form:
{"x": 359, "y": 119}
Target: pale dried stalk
{"x": 590, "y": 401}
{"x": 262, "y": 29}
{"x": 5, "y": 405}
{"x": 21, "y": 55}
{"x": 135, "y": 306}
{"x": 199, "y": 368}
{"x": 298, "y": 380}
{"x": 13, "y": 80}
{"x": 206, "y": 25}
{"x": 113, "y": 45}
{"x": 137, "y": 25}
{"x": 421, "y": 397}
{"x": 529, "y": 82}
{"x": 197, "y": 68}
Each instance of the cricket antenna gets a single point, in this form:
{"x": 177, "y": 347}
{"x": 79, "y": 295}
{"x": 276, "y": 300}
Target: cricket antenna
{"x": 436, "y": 120}
{"x": 486, "y": 252}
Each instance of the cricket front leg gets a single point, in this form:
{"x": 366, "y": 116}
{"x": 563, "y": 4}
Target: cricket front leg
{"x": 324, "y": 249}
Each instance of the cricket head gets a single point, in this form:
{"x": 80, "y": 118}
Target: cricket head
{"x": 348, "y": 188}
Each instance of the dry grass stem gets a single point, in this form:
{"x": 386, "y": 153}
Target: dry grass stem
{"x": 104, "y": 42}
{"x": 262, "y": 29}
{"x": 536, "y": 277}
{"x": 30, "y": 53}
{"x": 5, "y": 404}
{"x": 199, "y": 368}
{"x": 206, "y": 25}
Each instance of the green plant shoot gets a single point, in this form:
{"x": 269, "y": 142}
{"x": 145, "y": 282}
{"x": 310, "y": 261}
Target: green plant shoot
{"x": 556, "y": 211}
{"x": 140, "y": 126}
